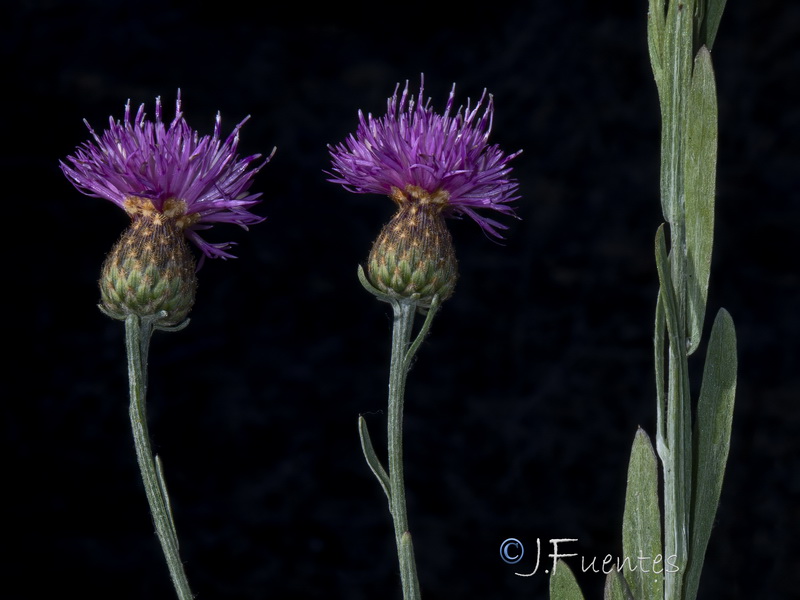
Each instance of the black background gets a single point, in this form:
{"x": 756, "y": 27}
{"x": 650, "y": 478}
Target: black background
{"x": 522, "y": 404}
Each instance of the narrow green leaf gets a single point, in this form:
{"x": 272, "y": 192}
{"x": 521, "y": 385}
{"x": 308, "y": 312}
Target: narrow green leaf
{"x": 667, "y": 291}
{"x": 362, "y": 277}
{"x": 372, "y": 459}
{"x": 563, "y": 585}
{"x": 712, "y": 438}
{"x": 659, "y": 341}
{"x": 655, "y": 38}
{"x": 426, "y": 325}
{"x": 710, "y": 23}
{"x": 162, "y": 486}
{"x": 677, "y": 62}
{"x": 700, "y": 169}
{"x": 616, "y": 587}
{"x": 408, "y": 568}
{"x": 641, "y": 523}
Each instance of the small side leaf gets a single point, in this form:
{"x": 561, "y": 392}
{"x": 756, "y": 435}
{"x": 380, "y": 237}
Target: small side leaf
{"x": 362, "y": 277}
{"x": 426, "y": 325}
{"x": 655, "y": 38}
{"x": 616, "y": 587}
{"x": 700, "y": 170}
{"x": 563, "y": 585}
{"x": 712, "y": 438}
{"x": 641, "y": 523}
{"x": 659, "y": 347}
{"x": 408, "y": 568}
{"x": 372, "y": 459}
{"x": 162, "y": 487}
{"x": 667, "y": 291}
{"x": 710, "y": 25}
{"x": 673, "y": 91}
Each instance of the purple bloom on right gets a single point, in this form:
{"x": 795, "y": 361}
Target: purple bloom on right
{"x": 414, "y": 154}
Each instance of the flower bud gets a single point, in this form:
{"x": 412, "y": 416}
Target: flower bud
{"x": 413, "y": 256}
{"x": 150, "y": 270}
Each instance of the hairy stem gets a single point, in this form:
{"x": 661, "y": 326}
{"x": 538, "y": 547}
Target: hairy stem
{"x": 137, "y": 341}
{"x": 398, "y": 372}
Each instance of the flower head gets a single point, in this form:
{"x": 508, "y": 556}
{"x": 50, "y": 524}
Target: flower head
{"x": 415, "y": 154}
{"x": 144, "y": 166}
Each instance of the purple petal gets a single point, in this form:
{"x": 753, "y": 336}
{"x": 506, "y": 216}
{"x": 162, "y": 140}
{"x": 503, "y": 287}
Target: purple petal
{"x": 414, "y": 146}
{"x": 146, "y": 159}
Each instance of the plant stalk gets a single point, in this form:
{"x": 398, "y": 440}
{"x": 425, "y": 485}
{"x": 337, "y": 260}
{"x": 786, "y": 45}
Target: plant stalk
{"x": 137, "y": 341}
{"x": 404, "y": 313}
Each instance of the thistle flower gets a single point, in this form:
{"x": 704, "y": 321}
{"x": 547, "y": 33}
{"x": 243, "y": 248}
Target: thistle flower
{"x": 142, "y": 165}
{"x": 172, "y": 183}
{"x": 433, "y": 166}
{"x": 444, "y": 155}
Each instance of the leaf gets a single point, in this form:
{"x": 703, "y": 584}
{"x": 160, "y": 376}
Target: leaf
{"x": 712, "y": 438}
{"x": 162, "y": 487}
{"x": 408, "y": 568}
{"x": 616, "y": 587}
{"x": 362, "y": 277}
{"x": 677, "y": 62}
{"x": 563, "y": 585}
{"x": 641, "y": 523}
{"x": 659, "y": 341}
{"x": 426, "y": 325}
{"x": 655, "y": 38}
{"x": 372, "y": 459}
{"x": 700, "y": 178}
{"x": 667, "y": 291}
{"x": 711, "y": 19}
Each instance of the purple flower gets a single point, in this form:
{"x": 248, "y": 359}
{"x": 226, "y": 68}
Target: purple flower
{"x": 413, "y": 152}
{"x": 145, "y": 166}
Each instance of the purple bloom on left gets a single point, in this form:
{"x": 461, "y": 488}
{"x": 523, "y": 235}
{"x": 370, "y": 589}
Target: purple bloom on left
{"x": 199, "y": 181}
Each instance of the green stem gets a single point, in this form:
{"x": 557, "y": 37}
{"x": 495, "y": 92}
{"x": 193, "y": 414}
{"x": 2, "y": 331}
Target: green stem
{"x": 137, "y": 342}
{"x": 674, "y": 444}
{"x": 677, "y": 480}
{"x": 401, "y": 335}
